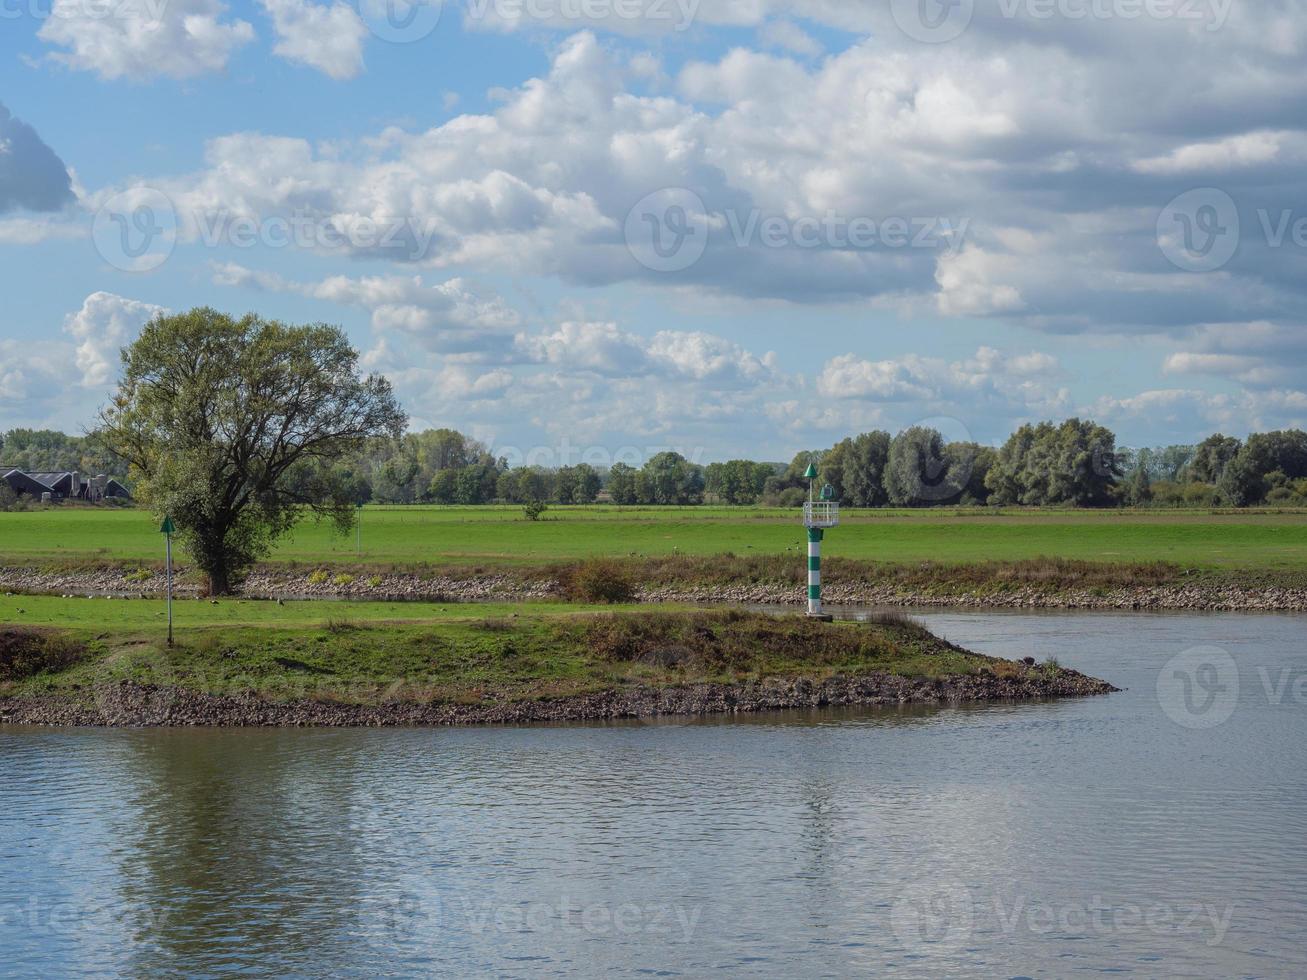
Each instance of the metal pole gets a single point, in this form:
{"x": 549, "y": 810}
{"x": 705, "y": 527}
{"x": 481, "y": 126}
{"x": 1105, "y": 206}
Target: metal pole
{"x": 168, "y": 540}
{"x": 358, "y": 529}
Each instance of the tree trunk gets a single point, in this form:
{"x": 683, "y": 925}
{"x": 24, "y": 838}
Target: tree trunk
{"x": 219, "y": 581}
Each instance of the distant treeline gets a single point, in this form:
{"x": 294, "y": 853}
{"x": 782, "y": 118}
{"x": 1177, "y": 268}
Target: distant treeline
{"x": 48, "y": 451}
{"x": 1072, "y": 463}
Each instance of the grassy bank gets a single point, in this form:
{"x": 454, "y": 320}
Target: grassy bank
{"x": 458, "y": 659}
{"x": 500, "y": 537}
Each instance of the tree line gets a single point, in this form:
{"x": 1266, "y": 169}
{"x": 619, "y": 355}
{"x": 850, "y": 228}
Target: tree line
{"x": 1071, "y": 463}
{"x": 1074, "y": 463}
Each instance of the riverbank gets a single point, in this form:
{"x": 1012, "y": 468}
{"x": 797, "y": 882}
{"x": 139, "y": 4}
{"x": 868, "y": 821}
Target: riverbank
{"x": 726, "y": 579}
{"x": 537, "y": 667}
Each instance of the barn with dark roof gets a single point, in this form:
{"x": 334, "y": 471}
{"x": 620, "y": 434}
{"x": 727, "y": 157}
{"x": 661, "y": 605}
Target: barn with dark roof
{"x": 67, "y": 485}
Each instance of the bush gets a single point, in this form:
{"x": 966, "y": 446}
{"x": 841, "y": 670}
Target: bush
{"x": 374, "y": 582}
{"x": 534, "y": 509}
{"x": 599, "y": 581}
{"x": 344, "y": 578}
{"x": 26, "y": 652}
{"x": 319, "y": 578}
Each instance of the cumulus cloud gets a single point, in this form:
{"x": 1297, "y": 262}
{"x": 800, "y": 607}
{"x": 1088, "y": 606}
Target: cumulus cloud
{"x": 32, "y": 177}
{"x": 328, "y": 37}
{"x": 450, "y": 317}
{"x": 101, "y": 328}
{"x": 176, "y": 39}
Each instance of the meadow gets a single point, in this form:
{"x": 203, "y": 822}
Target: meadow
{"x": 492, "y": 535}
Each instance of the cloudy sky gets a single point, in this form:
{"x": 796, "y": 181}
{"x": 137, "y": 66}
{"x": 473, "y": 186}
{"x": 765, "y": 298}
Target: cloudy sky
{"x": 733, "y": 227}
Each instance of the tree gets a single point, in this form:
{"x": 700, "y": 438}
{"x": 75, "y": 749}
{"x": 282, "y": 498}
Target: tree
{"x": 231, "y": 427}
{"x": 1267, "y": 460}
{"x": 1139, "y": 489}
{"x": 919, "y": 472}
{"x": 1241, "y": 485}
{"x": 1074, "y": 463}
{"x": 669, "y": 478}
{"x": 975, "y": 461}
{"x": 1210, "y": 458}
{"x": 864, "y": 462}
{"x": 622, "y": 485}
{"x": 577, "y": 484}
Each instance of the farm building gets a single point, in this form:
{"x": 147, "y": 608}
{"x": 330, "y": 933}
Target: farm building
{"x": 68, "y": 485}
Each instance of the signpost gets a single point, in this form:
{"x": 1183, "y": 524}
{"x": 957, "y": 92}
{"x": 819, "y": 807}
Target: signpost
{"x": 167, "y": 530}
{"x": 358, "y": 528}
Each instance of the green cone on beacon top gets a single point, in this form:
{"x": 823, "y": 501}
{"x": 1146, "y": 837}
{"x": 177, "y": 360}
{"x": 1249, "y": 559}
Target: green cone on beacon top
{"x": 811, "y": 473}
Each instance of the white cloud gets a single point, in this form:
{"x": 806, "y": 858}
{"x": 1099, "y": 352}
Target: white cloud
{"x": 176, "y": 39}
{"x": 1221, "y": 156}
{"x": 101, "y": 328}
{"x": 328, "y": 37}
{"x": 986, "y": 383}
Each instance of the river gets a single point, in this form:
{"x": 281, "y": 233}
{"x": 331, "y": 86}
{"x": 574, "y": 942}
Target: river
{"x": 1157, "y": 832}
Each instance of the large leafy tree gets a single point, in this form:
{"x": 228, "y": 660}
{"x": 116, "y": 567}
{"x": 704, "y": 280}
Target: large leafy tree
{"x": 670, "y": 478}
{"x": 233, "y": 428}
{"x": 1211, "y": 457}
{"x": 1073, "y": 463}
{"x": 919, "y": 471}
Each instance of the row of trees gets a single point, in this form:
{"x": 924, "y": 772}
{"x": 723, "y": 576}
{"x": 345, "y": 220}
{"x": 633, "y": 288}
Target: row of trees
{"x": 1073, "y": 463}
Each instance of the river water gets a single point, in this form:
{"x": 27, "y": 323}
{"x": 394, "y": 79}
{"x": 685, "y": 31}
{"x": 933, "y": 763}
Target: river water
{"x": 1158, "y": 832}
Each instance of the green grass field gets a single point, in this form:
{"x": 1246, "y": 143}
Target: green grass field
{"x": 492, "y": 535}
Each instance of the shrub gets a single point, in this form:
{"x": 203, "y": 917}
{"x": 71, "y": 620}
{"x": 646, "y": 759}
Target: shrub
{"x": 140, "y": 575}
{"x": 374, "y": 582}
{"x": 318, "y": 578}
{"x": 534, "y": 509}
{"x": 599, "y": 581}
{"x": 26, "y": 652}
{"x": 343, "y": 579}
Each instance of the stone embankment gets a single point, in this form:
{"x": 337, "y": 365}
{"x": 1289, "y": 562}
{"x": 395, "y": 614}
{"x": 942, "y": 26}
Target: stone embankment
{"x": 132, "y": 705}
{"x": 496, "y": 587}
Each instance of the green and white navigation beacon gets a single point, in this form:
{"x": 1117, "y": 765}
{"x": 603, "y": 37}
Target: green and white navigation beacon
{"x": 818, "y": 515}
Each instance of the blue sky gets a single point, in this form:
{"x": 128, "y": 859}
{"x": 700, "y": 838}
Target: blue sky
{"x": 790, "y": 221}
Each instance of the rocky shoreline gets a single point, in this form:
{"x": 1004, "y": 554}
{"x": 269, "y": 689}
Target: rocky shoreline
{"x": 496, "y": 587}
{"x": 132, "y": 705}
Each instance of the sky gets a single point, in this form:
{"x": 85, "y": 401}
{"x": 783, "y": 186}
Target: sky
{"x": 605, "y": 228}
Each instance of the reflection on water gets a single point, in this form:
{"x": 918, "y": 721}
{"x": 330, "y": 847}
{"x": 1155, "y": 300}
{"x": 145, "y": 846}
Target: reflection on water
{"x": 1048, "y": 839}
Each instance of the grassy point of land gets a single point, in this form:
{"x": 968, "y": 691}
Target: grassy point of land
{"x": 465, "y": 656}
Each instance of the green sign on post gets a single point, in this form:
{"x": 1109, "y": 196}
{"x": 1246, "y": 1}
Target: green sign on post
{"x": 167, "y": 529}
